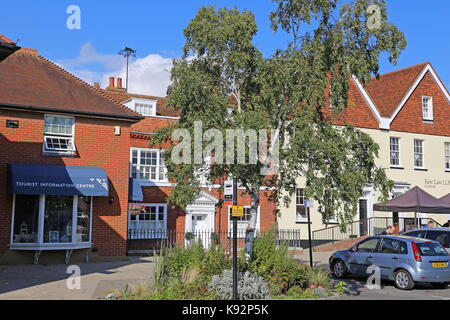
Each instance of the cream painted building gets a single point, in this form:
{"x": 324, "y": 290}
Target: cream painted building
{"x": 413, "y": 132}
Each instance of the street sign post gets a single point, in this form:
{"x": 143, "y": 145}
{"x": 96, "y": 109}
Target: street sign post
{"x": 235, "y": 277}
{"x": 307, "y": 204}
{"x": 237, "y": 211}
{"x": 228, "y": 193}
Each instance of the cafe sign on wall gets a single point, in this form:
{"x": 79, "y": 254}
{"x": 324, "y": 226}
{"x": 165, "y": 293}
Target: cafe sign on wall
{"x": 433, "y": 183}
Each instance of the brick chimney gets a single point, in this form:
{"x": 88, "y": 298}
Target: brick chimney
{"x": 111, "y": 83}
{"x": 119, "y": 83}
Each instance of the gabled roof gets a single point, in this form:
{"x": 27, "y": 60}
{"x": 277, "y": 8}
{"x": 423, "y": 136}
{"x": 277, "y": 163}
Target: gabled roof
{"x": 29, "y": 81}
{"x": 388, "y": 90}
{"x": 5, "y": 39}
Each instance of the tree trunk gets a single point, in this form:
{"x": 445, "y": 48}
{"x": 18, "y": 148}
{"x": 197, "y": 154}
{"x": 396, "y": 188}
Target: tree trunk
{"x": 251, "y": 228}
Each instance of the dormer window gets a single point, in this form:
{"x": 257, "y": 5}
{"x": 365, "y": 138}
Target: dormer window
{"x": 427, "y": 108}
{"x": 146, "y": 109}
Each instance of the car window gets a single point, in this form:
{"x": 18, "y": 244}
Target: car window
{"x": 393, "y": 246}
{"x": 367, "y": 245}
{"x": 439, "y": 236}
{"x": 430, "y": 249}
{"x": 416, "y": 233}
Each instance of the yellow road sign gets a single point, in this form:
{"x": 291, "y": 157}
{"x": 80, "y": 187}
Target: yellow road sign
{"x": 237, "y": 211}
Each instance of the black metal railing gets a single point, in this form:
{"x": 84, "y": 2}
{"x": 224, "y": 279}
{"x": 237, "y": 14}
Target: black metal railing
{"x": 143, "y": 241}
{"x": 364, "y": 227}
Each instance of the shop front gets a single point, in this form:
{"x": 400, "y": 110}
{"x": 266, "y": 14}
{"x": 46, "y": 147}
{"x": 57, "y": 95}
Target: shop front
{"x": 52, "y": 206}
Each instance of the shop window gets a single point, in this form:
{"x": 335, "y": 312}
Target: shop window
{"x": 26, "y": 219}
{"x": 58, "y": 219}
{"x": 58, "y": 216}
{"x": 83, "y": 219}
{"x": 59, "y": 134}
{"x": 148, "y": 164}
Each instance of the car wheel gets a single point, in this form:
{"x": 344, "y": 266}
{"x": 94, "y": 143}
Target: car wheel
{"x": 440, "y": 285}
{"x": 403, "y": 280}
{"x": 339, "y": 269}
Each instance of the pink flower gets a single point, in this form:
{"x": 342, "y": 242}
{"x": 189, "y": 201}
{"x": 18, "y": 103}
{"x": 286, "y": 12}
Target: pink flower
{"x": 312, "y": 286}
{"x": 320, "y": 287}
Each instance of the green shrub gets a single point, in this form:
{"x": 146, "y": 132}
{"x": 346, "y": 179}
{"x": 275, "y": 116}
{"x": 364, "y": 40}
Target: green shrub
{"x": 276, "y": 265}
{"x": 318, "y": 277}
{"x": 250, "y": 286}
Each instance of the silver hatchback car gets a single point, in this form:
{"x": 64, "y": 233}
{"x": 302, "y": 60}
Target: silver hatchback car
{"x": 405, "y": 260}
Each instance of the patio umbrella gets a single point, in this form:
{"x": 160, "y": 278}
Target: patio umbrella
{"x": 446, "y": 198}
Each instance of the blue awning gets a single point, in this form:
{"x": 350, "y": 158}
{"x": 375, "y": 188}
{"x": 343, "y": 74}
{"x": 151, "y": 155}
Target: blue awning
{"x": 24, "y": 178}
{"x": 135, "y": 191}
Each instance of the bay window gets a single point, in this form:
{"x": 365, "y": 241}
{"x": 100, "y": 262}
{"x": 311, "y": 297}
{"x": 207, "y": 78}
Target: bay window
{"x": 148, "y": 164}
{"x": 50, "y": 220}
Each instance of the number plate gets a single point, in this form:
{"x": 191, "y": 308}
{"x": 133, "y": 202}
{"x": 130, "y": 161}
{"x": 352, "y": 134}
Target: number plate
{"x": 439, "y": 264}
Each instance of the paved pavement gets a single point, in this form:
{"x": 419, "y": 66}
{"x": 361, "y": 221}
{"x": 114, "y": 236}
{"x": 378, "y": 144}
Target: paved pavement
{"x": 357, "y": 289}
{"x": 49, "y": 282}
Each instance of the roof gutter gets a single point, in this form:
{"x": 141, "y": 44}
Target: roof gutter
{"x": 85, "y": 113}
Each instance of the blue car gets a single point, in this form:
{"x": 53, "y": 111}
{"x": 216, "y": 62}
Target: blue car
{"x": 405, "y": 260}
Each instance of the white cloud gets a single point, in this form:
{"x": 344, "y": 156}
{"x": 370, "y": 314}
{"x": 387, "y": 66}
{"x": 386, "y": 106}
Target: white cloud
{"x": 147, "y": 75}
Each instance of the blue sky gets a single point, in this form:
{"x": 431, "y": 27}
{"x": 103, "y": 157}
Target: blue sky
{"x": 155, "y": 29}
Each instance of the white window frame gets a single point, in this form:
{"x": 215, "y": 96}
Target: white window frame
{"x": 396, "y": 151}
{"x": 50, "y": 135}
{"x": 242, "y": 224}
{"x": 297, "y": 217}
{"x": 447, "y": 156}
{"x": 131, "y": 104}
{"x": 40, "y": 244}
{"x": 422, "y": 154}
{"x": 147, "y": 231}
{"x": 427, "y": 113}
{"x": 159, "y": 153}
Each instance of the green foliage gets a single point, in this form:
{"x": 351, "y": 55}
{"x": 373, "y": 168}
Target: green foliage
{"x": 250, "y": 286}
{"x": 285, "y": 91}
{"x": 340, "y": 287}
{"x": 297, "y": 293}
{"x": 319, "y": 278}
{"x": 275, "y": 264}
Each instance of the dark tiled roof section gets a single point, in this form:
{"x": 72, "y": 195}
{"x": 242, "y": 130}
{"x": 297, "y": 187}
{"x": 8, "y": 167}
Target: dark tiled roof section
{"x": 161, "y": 107}
{"x": 389, "y": 89}
{"x": 30, "y": 80}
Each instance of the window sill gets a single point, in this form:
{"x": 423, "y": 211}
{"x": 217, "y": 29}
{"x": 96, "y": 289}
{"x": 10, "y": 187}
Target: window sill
{"x": 59, "y": 154}
{"x": 420, "y": 169}
{"x": 50, "y": 246}
{"x": 428, "y": 120}
{"x": 397, "y": 168}
{"x": 302, "y": 221}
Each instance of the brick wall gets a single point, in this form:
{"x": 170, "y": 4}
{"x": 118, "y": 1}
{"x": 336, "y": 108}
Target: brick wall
{"x": 176, "y": 216}
{"x": 409, "y": 119}
{"x": 96, "y": 146}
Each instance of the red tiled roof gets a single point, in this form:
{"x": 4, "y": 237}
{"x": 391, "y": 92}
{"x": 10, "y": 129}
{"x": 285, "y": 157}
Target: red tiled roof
{"x": 388, "y": 89}
{"x": 161, "y": 105}
{"x": 31, "y": 81}
{"x": 5, "y": 39}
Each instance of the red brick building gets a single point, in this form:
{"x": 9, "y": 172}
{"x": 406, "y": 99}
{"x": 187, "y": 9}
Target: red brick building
{"x": 64, "y": 163}
{"x": 206, "y": 215}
